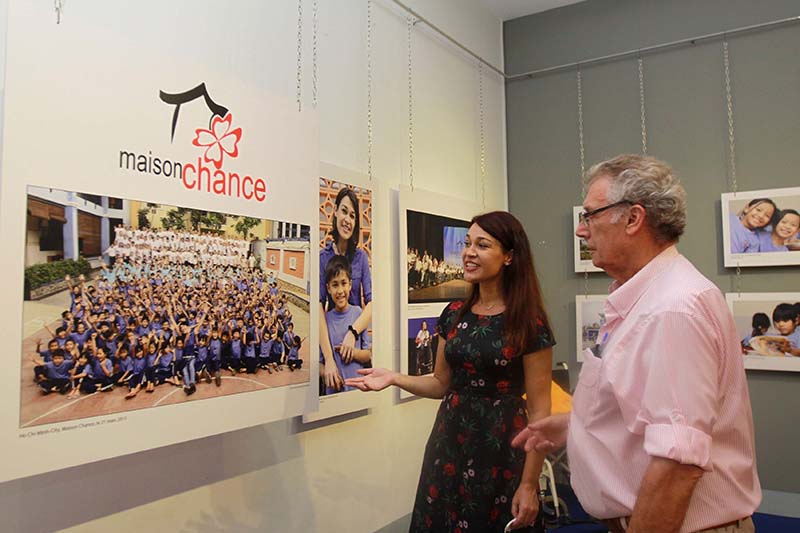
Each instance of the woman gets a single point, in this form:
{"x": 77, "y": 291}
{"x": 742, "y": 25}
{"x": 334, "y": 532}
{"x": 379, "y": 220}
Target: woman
{"x": 756, "y": 215}
{"x": 785, "y": 226}
{"x": 346, "y": 232}
{"x": 497, "y": 347}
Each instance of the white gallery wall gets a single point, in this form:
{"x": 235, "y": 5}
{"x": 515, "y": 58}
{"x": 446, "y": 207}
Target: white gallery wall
{"x": 358, "y": 474}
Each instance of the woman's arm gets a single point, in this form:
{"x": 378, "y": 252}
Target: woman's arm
{"x": 538, "y": 376}
{"x": 431, "y": 386}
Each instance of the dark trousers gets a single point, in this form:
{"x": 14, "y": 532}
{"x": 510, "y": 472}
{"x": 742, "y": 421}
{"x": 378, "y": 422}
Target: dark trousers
{"x": 250, "y": 363}
{"x": 62, "y": 384}
{"x": 295, "y": 363}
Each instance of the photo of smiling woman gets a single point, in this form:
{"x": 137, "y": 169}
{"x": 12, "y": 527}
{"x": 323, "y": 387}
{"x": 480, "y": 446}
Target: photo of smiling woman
{"x": 345, "y": 227}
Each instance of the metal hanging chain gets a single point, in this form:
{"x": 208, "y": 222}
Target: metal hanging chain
{"x": 641, "y": 105}
{"x": 369, "y": 89}
{"x": 314, "y": 32}
{"x": 729, "y": 102}
{"x": 409, "y": 28}
{"x": 299, "y": 54}
{"x": 738, "y": 279}
{"x": 586, "y": 283}
{"x": 482, "y": 116}
{"x": 731, "y": 139}
{"x": 580, "y": 131}
{"x": 59, "y": 7}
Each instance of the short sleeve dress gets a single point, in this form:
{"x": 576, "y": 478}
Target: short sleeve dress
{"x": 470, "y": 472}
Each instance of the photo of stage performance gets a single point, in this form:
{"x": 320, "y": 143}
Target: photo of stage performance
{"x": 434, "y": 267}
{"x": 132, "y": 305}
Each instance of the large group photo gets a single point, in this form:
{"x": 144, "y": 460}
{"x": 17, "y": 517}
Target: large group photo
{"x": 345, "y": 281}
{"x": 762, "y": 227}
{"x": 434, "y": 267}
{"x": 131, "y": 305}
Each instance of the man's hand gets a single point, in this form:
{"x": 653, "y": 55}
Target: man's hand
{"x": 545, "y": 435}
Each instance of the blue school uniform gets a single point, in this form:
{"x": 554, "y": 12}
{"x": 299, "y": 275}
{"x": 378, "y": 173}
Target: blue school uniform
{"x": 81, "y": 338}
{"x": 215, "y": 349}
{"x": 743, "y": 240}
{"x": 338, "y": 323}
{"x": 125, "y": 365}
{"x": 794, "y": 338}
{"x": 58, "y": 371}
{"x": 765, "y": 243}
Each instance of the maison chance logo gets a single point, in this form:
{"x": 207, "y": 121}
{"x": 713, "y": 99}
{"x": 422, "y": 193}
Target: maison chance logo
{"x": 218, "y": 144}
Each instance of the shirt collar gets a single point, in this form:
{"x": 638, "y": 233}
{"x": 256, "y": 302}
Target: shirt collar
{"x": 622, "y": 298}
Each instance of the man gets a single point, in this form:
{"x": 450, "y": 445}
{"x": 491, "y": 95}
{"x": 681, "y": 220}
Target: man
{"x": 661, "y": 433}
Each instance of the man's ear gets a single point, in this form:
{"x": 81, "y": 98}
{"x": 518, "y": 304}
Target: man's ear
{"x": 637, "y": 218}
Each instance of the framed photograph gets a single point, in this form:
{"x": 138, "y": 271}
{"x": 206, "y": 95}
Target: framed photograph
{"x": 346, "y": 226}
{"x": 761, "y": 228}
{"x": 432, "y": 232}
{"x": 162, "y": 192}
{"x": 583, "y": 258}
{"x": 423, "y": 339}
{"x": 769, "y": 329}
{"x": 589, "y": 318}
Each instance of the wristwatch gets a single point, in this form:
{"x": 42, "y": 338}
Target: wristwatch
{"x": 352, "y": 330}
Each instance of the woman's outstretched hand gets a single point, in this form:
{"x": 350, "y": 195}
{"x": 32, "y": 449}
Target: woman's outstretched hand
{"x": 372, "y": 379}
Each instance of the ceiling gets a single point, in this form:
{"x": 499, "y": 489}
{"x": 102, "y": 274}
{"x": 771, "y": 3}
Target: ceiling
{"x": 511, "y": 9}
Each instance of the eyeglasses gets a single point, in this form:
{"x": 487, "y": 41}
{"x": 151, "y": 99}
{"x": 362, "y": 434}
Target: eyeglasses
{"x": 584, "y": 217}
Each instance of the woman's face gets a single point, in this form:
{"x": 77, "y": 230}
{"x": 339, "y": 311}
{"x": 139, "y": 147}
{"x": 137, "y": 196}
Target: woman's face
{"x": 787, "y": 227}
{"x": 757, "y": 216}
{"x": 424, "y": 326}
{"x": 483, "y": 256}
{"x": 345, "y": 218}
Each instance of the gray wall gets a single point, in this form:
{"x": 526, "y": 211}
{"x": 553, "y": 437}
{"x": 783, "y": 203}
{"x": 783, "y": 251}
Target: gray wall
{"x": 687, "y": 127}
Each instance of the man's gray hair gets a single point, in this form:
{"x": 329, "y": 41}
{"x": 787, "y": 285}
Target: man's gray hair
{"x": 648, "y": 182}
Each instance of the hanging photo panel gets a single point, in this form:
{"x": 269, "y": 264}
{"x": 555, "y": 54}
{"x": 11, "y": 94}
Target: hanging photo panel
{"x": 158, "y": 228}
{"x": 583, "y": 257}
{"x": 761, "y": 228}
{"x": 589, "y": 318}
{"x": 432, "y": 232}
{"x": 769, "y": 329}
{"x": 346, "y": 287}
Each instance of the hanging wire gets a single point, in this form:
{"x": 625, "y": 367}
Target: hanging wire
{"x": 729, "y": 102}
{"x": 586, "y": 283}
{"x": 482, "y": 114}
{"x": 580, "y": 130}
{"x": 369, "y": 89}
{"x": 409, "y": 28}
{"x": 314, "y": 32}
{"x": 738, "y": 279}
{"x": 641, "y": 105}
{"x": 59, "y": 7}
{"x": 731, "y": 139}
{"x": 299, "y": 53}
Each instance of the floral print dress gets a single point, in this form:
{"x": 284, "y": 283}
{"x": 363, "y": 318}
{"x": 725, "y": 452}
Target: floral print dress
{"x": 470, "y": 472}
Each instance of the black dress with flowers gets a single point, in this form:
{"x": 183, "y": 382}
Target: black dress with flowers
{"x": 470, "y": 472}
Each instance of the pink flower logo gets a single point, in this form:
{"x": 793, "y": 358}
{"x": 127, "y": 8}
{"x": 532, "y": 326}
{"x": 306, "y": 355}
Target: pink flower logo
{"x": 218, "y": 140}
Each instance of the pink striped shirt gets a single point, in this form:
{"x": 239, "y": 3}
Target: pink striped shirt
{"x": 669, "y": 382}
